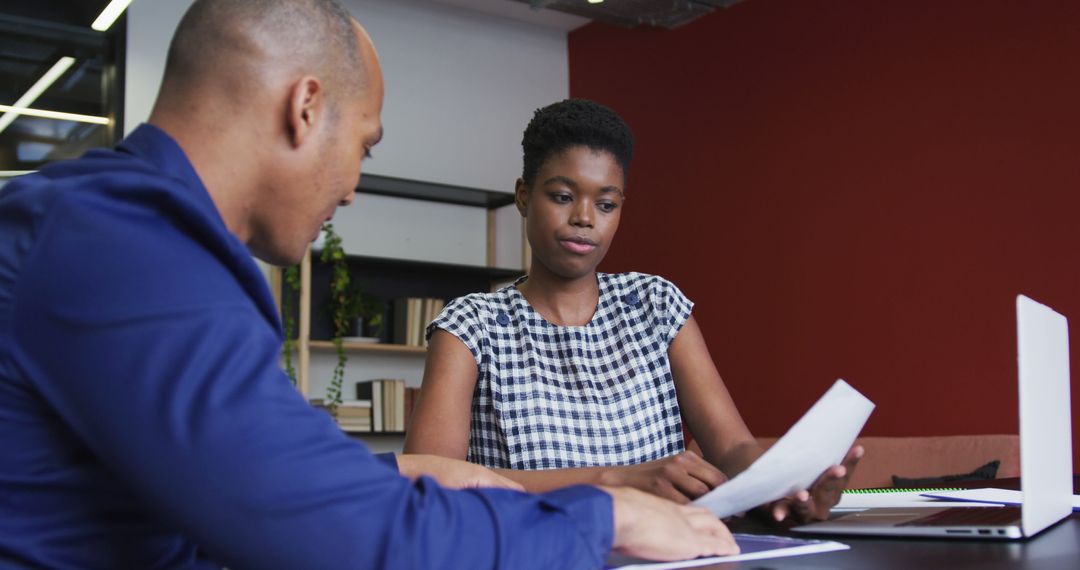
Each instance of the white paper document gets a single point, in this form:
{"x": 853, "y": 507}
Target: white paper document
{"x": 751, "y": 547}
{"x": 817, "y": 441}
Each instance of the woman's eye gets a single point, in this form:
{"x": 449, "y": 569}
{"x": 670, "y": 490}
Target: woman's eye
{"x": 561, "y": 198}
{"x": 607, "y": 207}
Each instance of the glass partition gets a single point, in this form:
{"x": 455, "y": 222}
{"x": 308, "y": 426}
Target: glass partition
{"x": 60, "y": 84}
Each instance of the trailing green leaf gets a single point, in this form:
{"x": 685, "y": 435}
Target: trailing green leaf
{"x": 288, "y": 310}
{"x": 340, "y": 303}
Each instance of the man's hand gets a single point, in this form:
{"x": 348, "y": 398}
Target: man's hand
{"x": 452, "y": 473}
{"x": 814, "y": 505}
{"x": 649, "y": 527}
{"x": 680, "y": 478}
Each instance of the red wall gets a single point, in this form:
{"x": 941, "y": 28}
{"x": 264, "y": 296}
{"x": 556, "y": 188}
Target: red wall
{"x": 855, "y": 189}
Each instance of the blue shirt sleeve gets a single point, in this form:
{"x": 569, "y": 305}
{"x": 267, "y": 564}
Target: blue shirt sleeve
{"x": 388, "y": 459}
{"x": 168, "y": 374}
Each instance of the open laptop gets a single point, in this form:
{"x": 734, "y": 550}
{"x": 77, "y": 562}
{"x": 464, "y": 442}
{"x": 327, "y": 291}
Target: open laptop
{"x": 1045, "y": 451}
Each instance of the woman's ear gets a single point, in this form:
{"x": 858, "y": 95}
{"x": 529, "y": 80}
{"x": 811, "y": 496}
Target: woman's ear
{"x": 306, "y": 105}
{"x": 521, "y": 196}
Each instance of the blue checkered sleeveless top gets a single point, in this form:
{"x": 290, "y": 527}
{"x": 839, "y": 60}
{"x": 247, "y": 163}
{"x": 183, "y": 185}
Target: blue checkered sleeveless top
{"x": 550, "y": 396}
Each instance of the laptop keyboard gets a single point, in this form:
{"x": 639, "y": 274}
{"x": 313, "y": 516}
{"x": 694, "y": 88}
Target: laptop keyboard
{"x": 969, "y": 516}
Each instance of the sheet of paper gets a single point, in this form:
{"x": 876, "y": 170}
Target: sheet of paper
{"x": 751, "y": 547}
{"x": 817, "y": 441}
{"x": 990, "y": 495}
{"x": 863, "y": 501}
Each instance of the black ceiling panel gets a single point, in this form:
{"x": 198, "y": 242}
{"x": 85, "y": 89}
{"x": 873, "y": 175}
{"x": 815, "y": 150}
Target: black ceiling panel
{"x": 631, "y": 13}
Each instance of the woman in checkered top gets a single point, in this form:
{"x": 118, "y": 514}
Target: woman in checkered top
{"x": 572, "y": 376}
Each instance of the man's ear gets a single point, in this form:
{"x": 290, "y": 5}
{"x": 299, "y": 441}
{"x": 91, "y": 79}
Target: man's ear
{"x": 307, "y": 104}
{"x": 521, "y": 196}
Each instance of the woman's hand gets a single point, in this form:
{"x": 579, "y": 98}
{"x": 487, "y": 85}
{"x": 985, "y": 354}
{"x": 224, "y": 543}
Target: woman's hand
{"x": 680, "y": 478}
{"x": 814, "y": 504}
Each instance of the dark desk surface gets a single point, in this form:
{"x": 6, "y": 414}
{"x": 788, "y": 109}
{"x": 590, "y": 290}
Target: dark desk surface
{"x": 1057, "y": 547}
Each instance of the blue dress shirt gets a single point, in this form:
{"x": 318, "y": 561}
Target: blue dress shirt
{"x": 143, "y": 412}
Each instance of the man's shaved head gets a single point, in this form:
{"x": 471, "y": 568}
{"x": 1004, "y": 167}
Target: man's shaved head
{"x": 242, "y": 39}
{"x": 275, "y": 103}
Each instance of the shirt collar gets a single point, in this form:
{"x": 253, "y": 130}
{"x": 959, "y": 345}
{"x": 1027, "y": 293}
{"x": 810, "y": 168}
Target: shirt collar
{"x": 155, "y": 146}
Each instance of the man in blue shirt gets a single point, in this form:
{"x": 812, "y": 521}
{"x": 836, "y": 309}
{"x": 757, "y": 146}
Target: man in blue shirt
{"x": 142, "y": 411}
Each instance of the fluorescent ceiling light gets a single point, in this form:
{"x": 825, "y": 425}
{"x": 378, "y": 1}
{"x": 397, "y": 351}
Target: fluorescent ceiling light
{"x": 56, "y": 115}
{"x": 37, "y": 89}
{"x": 14, "y": 173}
{"x": 596, "y": 1}
{"x": 109, "y": 15}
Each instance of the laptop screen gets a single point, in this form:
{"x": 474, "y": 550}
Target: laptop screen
{"x": 1045, "y": 418}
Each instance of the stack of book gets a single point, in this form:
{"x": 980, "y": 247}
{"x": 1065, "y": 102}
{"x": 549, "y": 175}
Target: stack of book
{"x": 353, "y": 416}
{"x": 411, "y": 318}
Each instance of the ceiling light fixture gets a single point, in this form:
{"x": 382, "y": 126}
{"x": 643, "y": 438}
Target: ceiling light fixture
{"x": 14, "y": 173}
{"x": 109, "y": 15}
{"x": 596, "y": 1}
{"x": 55, "y": 115}
{"x": 36, "y": 90}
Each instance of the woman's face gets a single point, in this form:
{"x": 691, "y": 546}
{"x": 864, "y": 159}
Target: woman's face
{"x": 572, "y": 210}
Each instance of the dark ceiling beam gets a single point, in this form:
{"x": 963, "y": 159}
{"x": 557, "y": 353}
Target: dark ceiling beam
{"x": 58, "y": 34}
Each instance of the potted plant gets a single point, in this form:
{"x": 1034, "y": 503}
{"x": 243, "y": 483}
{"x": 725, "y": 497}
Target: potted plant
{"x": 365, "y": 312}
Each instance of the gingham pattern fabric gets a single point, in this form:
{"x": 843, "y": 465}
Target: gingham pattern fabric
{"x": 550, "y": 396}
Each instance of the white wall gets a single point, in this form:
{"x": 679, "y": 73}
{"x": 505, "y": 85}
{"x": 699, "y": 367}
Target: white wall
{"x": 460, "y": 84}
{"x": 150, "y": 26}
{"x": 460, "y": 87}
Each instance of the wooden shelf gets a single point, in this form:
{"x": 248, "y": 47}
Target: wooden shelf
{"x": 433, "y": 192}
{"x": 368, "y": 346}
{"x": 373, "y": 263}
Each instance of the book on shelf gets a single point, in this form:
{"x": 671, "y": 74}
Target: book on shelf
{"x": 399, "y": 405}
{"x": 416, "y": 321}
{"x": 354, "y": 424}
{"x": 411, "y": 317}
{"x": 344, "y": 411}
{"x": 434, "y": 306}
{"x": 387, "y": 398}
{"x": 352, "y": 415}
{"x": 358, "y": 404}
{"x": 389, "y": 424}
